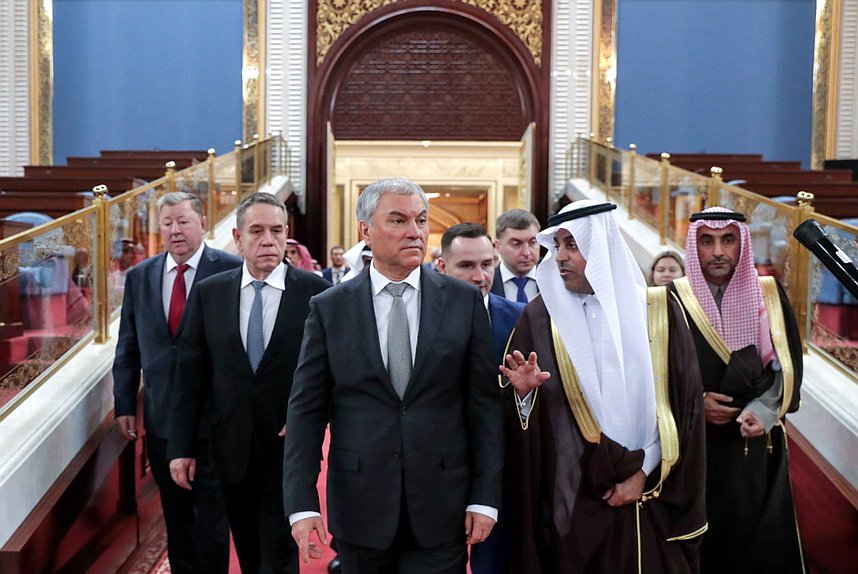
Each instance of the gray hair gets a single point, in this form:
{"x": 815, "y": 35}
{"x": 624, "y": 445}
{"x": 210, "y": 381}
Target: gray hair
{"x": 368, "y": 200}
{"x": 515, "y": 219}
{"x": 256, "y": 199}
{"x": 177, "y": 197}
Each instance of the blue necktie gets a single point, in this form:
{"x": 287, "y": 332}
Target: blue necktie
{"x": 521, "y": 283}
{"x": 255, "y": 334}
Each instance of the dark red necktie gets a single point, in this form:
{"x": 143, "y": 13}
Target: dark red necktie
{"x": 177, "y": 299}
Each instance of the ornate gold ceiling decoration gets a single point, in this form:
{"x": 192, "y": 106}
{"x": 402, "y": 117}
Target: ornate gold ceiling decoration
{"x": 523, "y": 17}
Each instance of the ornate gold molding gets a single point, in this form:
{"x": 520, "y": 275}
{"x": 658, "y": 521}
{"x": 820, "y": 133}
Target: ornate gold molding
{"x": 605, "y": 67}
{"x": 253, "y": 69}
{"x": 41, "y": 82}
{"x": 826, "y": 60}
{"x": 523, "y": 17}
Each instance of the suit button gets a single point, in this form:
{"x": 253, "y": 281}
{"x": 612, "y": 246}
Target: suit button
{"x": 404, "y": 410}
{"x": 396, "y": 454}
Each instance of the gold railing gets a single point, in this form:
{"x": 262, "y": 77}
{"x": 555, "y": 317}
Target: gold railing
{"x": 62, "y": 283}
{"x": 663, "y": 196}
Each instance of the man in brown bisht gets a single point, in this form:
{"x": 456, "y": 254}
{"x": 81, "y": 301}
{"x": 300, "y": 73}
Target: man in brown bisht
{"x": 749, "y": 352}
{"x": 605, "y": 455}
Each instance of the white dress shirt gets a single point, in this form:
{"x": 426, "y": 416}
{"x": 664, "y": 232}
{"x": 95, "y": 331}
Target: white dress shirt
{"x": 169, "y": 277}
{"x": 382, "y": 301}
{"x": 275, "y": 284}
{"x": 510, "y": 289}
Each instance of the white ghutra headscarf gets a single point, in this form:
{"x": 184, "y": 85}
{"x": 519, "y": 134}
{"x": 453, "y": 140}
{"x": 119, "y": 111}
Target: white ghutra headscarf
{"x": 623, "y": 401}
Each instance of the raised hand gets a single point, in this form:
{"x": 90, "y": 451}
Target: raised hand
{"x": 523, "y": 374}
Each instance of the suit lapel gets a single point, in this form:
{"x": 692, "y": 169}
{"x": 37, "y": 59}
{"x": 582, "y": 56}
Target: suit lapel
{"x": 230, "y": 297}
{"x": 358, "y": 292}
{"x": 286, "y": 317}
{"x": 432, "y": 302}
{"x": 154, "y": 280}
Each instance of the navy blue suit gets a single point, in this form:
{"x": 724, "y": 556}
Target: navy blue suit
{"x": 145, "y": 343}
{"x": 497, "y": 286}
{"x": 489, "y": 557}
{"x": 328, "y": 273}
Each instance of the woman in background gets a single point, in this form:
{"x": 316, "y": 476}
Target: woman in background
{"x": 666, "y": 267}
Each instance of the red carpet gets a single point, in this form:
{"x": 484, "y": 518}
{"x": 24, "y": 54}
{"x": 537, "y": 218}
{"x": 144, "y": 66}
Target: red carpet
{"x": 162, "y": 566}
{"x": 827, "y": 521}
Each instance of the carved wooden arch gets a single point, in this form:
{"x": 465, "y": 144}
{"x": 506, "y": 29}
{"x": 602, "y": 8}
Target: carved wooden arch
{"x": 530, "y": 81}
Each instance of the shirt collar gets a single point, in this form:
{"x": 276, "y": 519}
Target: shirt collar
{"x": 379, "y": 281}
{"x": 507, "y": 274}
{"x": 276, "y": 278}
{"x": 193, "y": 262}
{"x": 486, "y": 301}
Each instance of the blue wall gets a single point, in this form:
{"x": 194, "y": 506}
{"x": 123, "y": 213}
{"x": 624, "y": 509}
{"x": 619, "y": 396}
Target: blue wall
{"x": 146, "y": 74}
{"x": 716, "y": 76}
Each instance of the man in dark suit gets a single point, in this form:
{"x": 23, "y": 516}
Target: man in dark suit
{"x": 239, "y": 350}
{"x": 338, "y": 269}
{"x": 467, "y": 254}
{"x": 415, "y": 460}
{"x": 149, "y": 328}
{"x": 515, "y": 275}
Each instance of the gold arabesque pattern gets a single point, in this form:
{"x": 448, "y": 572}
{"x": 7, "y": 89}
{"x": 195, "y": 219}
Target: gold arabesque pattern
{"x": 523, "y": 17}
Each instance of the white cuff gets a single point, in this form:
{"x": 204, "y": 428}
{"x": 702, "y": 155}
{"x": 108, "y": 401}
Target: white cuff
{"x": 484, "y": 510}
{"x": 296, "y": 516}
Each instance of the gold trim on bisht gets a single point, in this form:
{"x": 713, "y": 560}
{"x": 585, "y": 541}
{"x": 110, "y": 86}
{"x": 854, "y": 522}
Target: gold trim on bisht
{"x": 523, "y": 18}
{"x": 777, "y": 328}
{"x": 504, "y": 383}
{"x": 572, "y": 388}
{"x": 658, "y": 328}
{"x": 692, "y": 305}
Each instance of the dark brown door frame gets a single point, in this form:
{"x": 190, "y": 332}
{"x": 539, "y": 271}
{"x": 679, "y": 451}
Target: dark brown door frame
{"x": 533, "y": 83}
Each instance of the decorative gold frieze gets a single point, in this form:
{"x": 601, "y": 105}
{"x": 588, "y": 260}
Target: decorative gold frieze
{"x": 252, "y": 68}
{"x": 826, "y": 58}
{"x": 606, "y": 66}
{"x": 42, "y": 82}
{"x": 523, "y": 17}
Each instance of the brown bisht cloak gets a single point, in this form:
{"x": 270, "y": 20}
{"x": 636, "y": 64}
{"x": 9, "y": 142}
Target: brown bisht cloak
{"x": 555, "y": 517}
{"x": 752, "y": 527}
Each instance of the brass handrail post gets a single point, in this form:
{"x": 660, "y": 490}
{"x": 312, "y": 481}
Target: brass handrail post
{"x": 212, "y": 193}
{"x": 591, "y": 165}
{"x": 714, "y": 196}
{"x": 238, "y": 169}
{"x": 257, "y": 168}
{"x": 102, "y": 262}
{"x": 609, "y": 147}
{"x": 171, "y": 176}
{"x": 153, "y": 235}
{"x": 799, "y": 276}
{"x": 630, "y": 188}
{"x": 663, "y": 199}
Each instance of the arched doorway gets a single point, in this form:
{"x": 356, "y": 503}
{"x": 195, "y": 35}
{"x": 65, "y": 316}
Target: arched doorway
{"x": 441, "y": 71}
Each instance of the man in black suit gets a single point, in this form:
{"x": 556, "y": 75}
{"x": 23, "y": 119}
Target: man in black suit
{"x": 515, "y": 275}
{"x": 467, "y": 253}
{"x": 149, "y": 328}
{"x": 415, "y": 460}
{"x": 338, "y": 269}
{"x": 239, "y": 350}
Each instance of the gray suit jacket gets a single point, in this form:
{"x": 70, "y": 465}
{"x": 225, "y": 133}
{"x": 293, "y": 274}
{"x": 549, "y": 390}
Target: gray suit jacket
{"x": 441, "y": 443}
{"x": 145, "y": 342}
